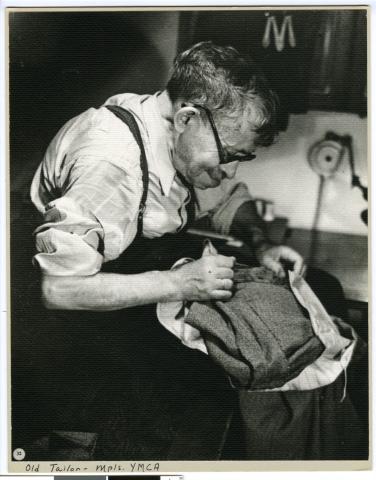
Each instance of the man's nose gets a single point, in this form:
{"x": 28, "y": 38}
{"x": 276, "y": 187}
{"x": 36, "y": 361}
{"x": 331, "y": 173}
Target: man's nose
{"x": 229, "y": 169}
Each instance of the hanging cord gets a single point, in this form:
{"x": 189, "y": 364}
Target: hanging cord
{"x": 325, "y": 164}
{"x": 316, "y": 218}
{"x": 355, "y": 180}
{"x": 346, "y": 141}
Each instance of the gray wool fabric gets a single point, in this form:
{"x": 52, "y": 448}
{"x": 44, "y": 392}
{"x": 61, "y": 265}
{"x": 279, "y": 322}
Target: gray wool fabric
{"x": 261, "y": 336}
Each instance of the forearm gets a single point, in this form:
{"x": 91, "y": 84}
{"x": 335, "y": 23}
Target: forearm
{"x": 108, "y": 291}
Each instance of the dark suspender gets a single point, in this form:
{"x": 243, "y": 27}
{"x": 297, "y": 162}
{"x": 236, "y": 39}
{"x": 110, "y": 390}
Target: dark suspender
{"x": 127, "y": 117}
{"x": 190, "y": 207}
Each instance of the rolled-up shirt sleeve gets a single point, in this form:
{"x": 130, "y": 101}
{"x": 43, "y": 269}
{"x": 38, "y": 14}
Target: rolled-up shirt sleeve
{"x": 93, "y": 221}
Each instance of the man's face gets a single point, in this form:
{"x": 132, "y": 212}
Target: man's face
{"x": 196, "y": 152}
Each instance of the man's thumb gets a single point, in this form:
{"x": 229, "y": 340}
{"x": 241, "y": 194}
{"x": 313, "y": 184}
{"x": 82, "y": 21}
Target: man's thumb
{"x": 209, "y": 248}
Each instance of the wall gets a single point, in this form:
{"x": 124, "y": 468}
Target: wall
{"x": 281, "y": 173}
{"x": 162, "y": 29}
{"x": 62, "y": 63}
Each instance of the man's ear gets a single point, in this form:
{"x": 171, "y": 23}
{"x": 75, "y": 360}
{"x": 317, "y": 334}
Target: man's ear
{"x": 184, "y": 116}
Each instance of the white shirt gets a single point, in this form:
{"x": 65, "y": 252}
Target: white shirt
{"x": 89, "y": 187}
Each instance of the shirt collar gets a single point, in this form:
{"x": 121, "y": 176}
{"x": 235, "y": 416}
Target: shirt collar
{"x": 161, "y": 161}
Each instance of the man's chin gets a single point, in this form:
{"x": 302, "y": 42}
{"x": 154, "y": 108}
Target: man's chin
{"x": 205, "y": 186}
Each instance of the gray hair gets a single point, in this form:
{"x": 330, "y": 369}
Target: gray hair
{"x": 228, "y": 84}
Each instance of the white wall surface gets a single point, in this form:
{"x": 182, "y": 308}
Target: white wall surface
{"x": 281, "y": 173}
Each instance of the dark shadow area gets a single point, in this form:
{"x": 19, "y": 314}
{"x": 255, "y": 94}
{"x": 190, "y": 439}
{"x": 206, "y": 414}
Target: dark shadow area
{"x": 64, "y": 63}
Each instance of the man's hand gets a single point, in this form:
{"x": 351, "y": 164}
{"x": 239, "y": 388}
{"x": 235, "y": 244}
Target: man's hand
{"x": 274, "y": 258}
{"x": 209, "y": 278}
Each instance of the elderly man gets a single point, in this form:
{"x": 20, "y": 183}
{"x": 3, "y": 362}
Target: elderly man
{"x": 116, "y": 191}
{"x": 213, "y": 115}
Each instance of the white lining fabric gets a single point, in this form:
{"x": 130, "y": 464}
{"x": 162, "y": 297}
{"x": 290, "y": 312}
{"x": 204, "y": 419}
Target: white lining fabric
{"x": 324, "y": 370}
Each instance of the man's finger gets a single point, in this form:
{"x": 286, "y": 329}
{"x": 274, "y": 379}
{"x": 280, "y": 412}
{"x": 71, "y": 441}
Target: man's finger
{"x": 274, "y": 266}
{"x": 294, "y": 257}
{"x": 298, "y": 266}
{"x": 223, "y": 261}
{"x": 289, "y": 254}
{"x": 224, "y": 284}
{"x": 221, "y": 294}
{"x": 209, "y": 248}
{"x": 223, "y": 272}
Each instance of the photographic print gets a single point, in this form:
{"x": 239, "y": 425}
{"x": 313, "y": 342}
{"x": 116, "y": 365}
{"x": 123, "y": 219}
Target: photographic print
{"x": 188, "y": 238}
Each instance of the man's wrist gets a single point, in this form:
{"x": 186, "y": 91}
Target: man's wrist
{"x": 172, "y": 291}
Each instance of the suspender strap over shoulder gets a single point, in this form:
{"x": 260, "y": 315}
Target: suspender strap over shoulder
{"x": 191, "y": 205}
{"x": 127, "y": 117}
